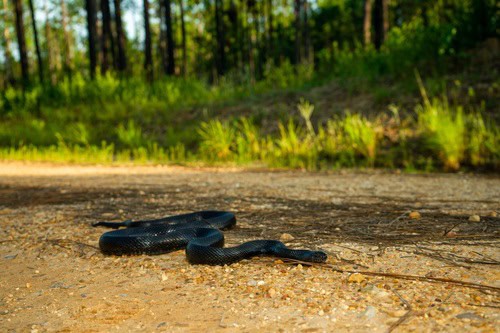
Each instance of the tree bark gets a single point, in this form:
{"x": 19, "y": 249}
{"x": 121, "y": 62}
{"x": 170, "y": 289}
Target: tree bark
{"x": 162, "y": 40}
{"x": 68, "y": 57}
{"x": 107, "y": 40}
{"x": 219, "y": 31}
{"x": 308, "y": 54}
{"x": 367, "y": 23}
{"x": 380, "y": 22}
{"x": 183, "y": 41}
{"x": 9, "y": 60}
{"x": 92, "y": 35}
{"x": 37, "y": 45}
{"x": 121, "y": 64}
{"x": 170, "y": 38}
{"x": 49, "y": 46}
{"x": 148, "y": 53}
{"x": 270, "y": 32}
{"x": 298, "y": 31}
{"x": 21, "y": 41}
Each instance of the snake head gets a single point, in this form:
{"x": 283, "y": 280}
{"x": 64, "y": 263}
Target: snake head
{"x": 318, "y": 256}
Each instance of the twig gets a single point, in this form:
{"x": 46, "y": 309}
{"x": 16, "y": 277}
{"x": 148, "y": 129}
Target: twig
{"x": 426, "y": 279}
{"x": 402, "y": 299}
{"x": 406, "y": 316}
{"x": 221, "y": 321}
{"x": 397, "y": 218}
{"x": 446, "y": 231}
{"x": 401, "y": 320}
{"x": 478, "y": 305}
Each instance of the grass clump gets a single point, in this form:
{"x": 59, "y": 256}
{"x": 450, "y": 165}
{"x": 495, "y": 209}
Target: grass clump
{"x": 361, "y": 136}
{"x": 443, "y": 129}
{"x": 217, "y": 140}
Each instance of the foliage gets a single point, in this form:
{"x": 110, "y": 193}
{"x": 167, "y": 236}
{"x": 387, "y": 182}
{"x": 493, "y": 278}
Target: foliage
{"x": 441, "y": 135}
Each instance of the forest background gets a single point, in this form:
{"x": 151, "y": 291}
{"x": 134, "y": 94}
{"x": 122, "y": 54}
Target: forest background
{"x": 314, "y": 84}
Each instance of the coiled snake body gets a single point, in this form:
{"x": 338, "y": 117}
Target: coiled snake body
{"x": 199, "y": 233}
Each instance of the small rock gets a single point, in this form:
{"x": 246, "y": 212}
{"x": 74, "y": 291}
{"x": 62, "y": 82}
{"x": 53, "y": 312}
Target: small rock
{"x": 10, "y": 256}
{"x": 272, "y": 292}
{"x": 474, "y": 218}
{"x": 369, "y": 313}
{"x": 469, "y": 315}
{"x": 252, "y": 283}
{"x": 451, "y": 234}
{"x": 286, "y": 237}
{"x": 493, "y": 214}
{"x": 356, "y": 278}
{"x": 415, "y": 215}
{"x": 164, "y": 277}
{"x": 261, "y": 283}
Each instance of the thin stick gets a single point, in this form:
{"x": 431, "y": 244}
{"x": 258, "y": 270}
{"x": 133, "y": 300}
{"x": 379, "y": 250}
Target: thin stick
{"x": 401, "y": 276}
{"x": 405, "y": 317}
{"x": 401, "y": 320}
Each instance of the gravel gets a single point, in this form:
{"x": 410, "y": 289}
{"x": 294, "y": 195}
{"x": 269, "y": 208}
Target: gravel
{"x": 55, "y": 279}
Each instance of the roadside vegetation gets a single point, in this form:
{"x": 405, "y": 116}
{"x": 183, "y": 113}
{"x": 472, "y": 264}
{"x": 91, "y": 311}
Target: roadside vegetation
{"x": 446, "y": 120}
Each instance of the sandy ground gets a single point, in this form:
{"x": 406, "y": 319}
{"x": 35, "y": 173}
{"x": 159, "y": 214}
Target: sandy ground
{"x": 53, "y": 277}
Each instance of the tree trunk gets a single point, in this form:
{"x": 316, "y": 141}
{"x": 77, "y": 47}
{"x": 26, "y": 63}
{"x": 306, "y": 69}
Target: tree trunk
{"x": 68, "y": 49}
{"x": 270, "y": 32}
{"x": 121, "y": 64}
{"x": 92, "y": 35}
{"x": 380, "y": 22}
{"x": 258, "y": 46}
{"x": 170, "y": 38}
{"x": 37, "y": 45}
{"x": 162, "y": 40}
{"x": 298, "y": 31}
{"x": 183, "y": 40}
{"x": 49, "y": 47}
{"x": 9, "y": 60}
{"x": 308, "y": 54}
{"x": 219, "y": 32}
{"x": 21, "y": 41}
{"x": 107, "y": 40}
{"x": 367, "y": 23}
{"x": 148, "y": 53}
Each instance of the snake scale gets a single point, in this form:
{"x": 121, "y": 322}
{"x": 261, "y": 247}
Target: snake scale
{"x": 199, "y": 233}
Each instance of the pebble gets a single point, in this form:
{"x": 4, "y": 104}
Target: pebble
{"x": 493, "y": 214}
{"x": 356, "y": 278}
{"x": 252, "y": 283}
{"x": 414, "y": 215}
{"x": 469, "y": 315}
{"x": 286, "y": 237}
{"x": 451, "y": 234}
{"x": 474, "y": 218}
{"x": 370, "y": 312}
{"x": 10, "y": 256}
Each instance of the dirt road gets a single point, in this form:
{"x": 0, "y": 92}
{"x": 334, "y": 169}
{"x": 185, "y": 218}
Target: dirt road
{"x": 53, "y": 277}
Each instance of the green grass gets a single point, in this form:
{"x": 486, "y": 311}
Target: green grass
{"x": 442, "y": 136}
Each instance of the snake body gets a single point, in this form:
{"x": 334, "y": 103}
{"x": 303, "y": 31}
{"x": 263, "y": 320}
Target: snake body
{"x": 199, "y": 233}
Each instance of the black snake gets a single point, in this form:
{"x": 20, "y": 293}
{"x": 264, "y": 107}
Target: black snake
{"x": 199, "y": 233}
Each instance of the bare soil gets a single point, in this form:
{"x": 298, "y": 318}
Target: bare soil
{"x": 386, "y": 271}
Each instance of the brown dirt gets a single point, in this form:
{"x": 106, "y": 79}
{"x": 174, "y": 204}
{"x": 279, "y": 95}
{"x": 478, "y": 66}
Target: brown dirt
{"x": 53, "y": 278}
